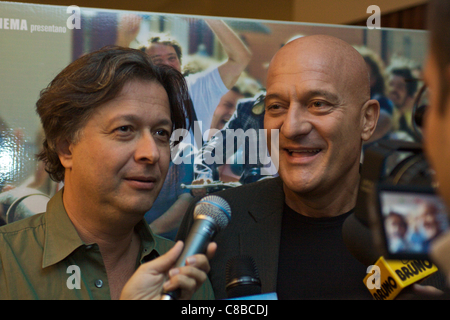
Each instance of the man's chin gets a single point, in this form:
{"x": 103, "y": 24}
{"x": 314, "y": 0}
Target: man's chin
{"x": 295, "y": 183}
{"x": 139, "y": 204}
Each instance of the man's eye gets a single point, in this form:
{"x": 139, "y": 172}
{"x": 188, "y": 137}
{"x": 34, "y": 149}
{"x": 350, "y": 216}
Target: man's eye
{"x": 322, "y": 105}
{"x": 123, "y": 132}
{"x": 124, "y": 129}
{"x": 319, "y": 104}
{"x": 163, "y": 134}
{"x": 273, "y": 107}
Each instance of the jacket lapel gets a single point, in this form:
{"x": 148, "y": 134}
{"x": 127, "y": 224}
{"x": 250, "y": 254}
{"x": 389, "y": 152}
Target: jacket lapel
{"x": 262, "y": 239}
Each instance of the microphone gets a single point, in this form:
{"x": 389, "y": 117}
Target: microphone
{"x": 211, "y": 215}
{"x": 242, "y": 277}
{"x": 385, "y": 278}
{"x": 242, "y": 280}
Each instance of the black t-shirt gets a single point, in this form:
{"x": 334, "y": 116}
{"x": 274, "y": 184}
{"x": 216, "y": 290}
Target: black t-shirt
{"x": 314, "y": 262}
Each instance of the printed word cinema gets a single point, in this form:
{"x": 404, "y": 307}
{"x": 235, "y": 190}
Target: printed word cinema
{"x": 13, "y": 24}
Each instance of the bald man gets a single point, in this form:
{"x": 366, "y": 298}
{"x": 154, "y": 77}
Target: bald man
{"x": 318, "y": 99}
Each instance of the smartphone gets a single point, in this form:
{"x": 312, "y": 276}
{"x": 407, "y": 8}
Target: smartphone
{"x": 411, "y": 218}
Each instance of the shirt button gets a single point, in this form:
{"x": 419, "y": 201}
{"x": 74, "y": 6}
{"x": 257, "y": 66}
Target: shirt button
{"x": 98, "y": 283}
{"x": 88, "y": 247}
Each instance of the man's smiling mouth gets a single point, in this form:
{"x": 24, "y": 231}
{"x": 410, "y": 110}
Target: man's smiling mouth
{"x": 303, "y": 152}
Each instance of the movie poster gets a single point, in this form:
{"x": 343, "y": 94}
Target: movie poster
{"x": 38, "y": 41}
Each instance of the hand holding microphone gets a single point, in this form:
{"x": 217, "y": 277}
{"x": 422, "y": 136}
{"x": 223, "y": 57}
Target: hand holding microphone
{"x": 211, "y": 215}
{"x": 186, "y": 265}
{"x": 150, "y": 279}
{"x": 187, "y": 279}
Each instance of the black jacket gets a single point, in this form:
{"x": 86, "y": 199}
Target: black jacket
{"x": 254, "y": 229}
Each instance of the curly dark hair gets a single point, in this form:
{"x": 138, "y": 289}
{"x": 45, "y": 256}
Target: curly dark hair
{"x": 74, "y": 94}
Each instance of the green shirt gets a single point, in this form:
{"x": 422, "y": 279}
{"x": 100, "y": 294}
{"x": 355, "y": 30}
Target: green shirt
{"x": 43, "y": 257}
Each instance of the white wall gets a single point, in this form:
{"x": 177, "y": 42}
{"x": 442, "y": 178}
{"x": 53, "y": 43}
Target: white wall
{"x": 317, "y": 11}
{"x": 343, "y": 12}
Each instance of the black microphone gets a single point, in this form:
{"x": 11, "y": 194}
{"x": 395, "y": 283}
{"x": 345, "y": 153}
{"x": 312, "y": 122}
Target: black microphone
{"x": 358, "y": 238}
{"x": 242, "y": 277}
{"x": 211, "y": 215}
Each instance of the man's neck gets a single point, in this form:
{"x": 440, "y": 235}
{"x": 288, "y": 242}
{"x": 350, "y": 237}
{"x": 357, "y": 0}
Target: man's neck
{"x": 113, "y": 245}
{"x": 340, "y": 199}
{"x": 118, "y": 242}
{"x": 114, "y": 237}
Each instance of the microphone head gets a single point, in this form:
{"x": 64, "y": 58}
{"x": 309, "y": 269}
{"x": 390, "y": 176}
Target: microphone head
{"x": 214, "y": 207}
{"x": 242, "y": 277}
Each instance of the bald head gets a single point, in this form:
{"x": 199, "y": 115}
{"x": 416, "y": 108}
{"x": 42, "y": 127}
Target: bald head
{"x": 318, "y": 98}
{"x": 342, "y": 63}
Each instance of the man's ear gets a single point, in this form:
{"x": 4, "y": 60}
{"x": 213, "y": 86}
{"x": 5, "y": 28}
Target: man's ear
{"x": 370, "y": 113}
{"x": 64, "y": 150}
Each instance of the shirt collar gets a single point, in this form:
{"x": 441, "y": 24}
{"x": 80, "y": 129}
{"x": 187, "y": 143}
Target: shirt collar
{"x": 151, "y": 247}
{"x": 61, "y": 237}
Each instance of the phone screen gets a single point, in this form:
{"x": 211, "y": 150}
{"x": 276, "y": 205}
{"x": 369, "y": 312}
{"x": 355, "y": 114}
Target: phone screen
{"x": 411, "y": 221}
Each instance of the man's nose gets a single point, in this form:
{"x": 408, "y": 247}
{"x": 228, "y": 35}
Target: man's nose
{"x": 296, "y": 123}
{"x": 147, "y": 149}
